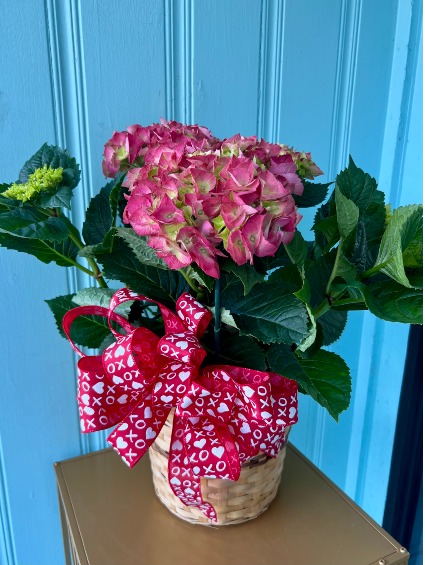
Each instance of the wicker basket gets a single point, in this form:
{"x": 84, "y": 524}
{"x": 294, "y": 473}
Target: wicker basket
{"x": 234, "y": 501}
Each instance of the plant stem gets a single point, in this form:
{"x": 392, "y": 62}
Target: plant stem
{"x": 347, "y": 301}
{"x": 95, "y": 272}
{"x": 189, "y": 280}
{"x": 323, "y": 307}
{"x": 217, "y": 319}
{"x": 373, "y": 271}
{"x": 334, "y": 268}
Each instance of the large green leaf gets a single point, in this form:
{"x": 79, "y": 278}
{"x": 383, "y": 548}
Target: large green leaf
{"x": 242, "y": 351}
{"x": 313, "y": 195}
{"x": 59, "y": 199}
{"x": 140, "y": 248}
{"x": 401, "y": 230}
{"x": 54, "y": 157}
{"x": 324, "y": 376}
{"x": 297, "y": 249}
{"x": 357, "y": 186}
{"x": 63, "y": 253}
{"x": 394, "y": 302}
{"x": 270, "y": 312}
{"x": 347, "y": 214}
{"x": 98, "y": 217}
{"x": 122, "y": 265}
{"x": 247, "y": 274}
{"x": 87, "y": 331}
{"x": 28, "y": 222}
{"x": 333, "y": 323}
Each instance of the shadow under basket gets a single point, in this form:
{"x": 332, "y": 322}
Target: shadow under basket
{"x": 234, "y": 501}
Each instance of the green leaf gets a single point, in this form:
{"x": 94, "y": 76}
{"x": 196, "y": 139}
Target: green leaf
{"x": 140, "y": 248}
{"x": 28, "y": 222}
{"x": 270, "y": 312}
{"x": 116, "y": 196}
{"x": 101, "y": 248}
{"x": 268, "y": 264}
{"x": 318, "y": 273}
{"x": 324, "y": 376}
{"x": 98, "y": 217}
{"x": 326, "y": 230}
{"x": 313, "y": 194}
{"x": 357, "y": 186}
{"x": 332, "y": 323}
{"x": 347, "y": 214}
{"x": 394, "y": 302}
{"x": 245, "y": 273}
{"x": 94, "y": 296}
{"x": 196, "y": 273}
{"x": 86, "y": 331}
{"x": 242, "y": 351}
{"x": 413, "y": 254}
{"x": 63, "y": 253}
{"x": 122, "y": 265}
{"x": 297, "y": 249}
{"x": 357, "y": 251}
{"x": 401, "y": 230}
{"x": 54, "y": 157}
{"x": 59, "y": 199}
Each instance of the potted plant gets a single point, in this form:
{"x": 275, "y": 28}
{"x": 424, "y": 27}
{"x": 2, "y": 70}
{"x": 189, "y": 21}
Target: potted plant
{"x": 226, "y": 309}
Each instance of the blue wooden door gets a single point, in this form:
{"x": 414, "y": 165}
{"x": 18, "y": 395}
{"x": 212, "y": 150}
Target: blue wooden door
{"x": 334, "y": 77}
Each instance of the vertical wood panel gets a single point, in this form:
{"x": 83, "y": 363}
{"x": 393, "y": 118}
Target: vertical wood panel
{"x": 226, "y": 65}
{"x": 38, "y": 421}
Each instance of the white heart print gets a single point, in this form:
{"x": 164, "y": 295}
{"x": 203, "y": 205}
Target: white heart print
{"x": 222, "y": 408}
{"x": 245, "y": 429}
{"x": 123, "y": 399}
{"x": 98, "y": 387}
{"x": 292, "y": 412}
{"x": 119, "y": 352}
{"x": 177, "y": 445}
{"x": 248, "y": 391}
{"x": 148, "y": 412}
{"x": 200, "y": 443}
{"x": 117, "y": 380}
{"x": 88, "y": 410}
{"x": 121, "y": 443}
{"x": 123, "y": 426}
{"x": 86, "y": 399}
{"x": 175, "y": 481}
{"x": 166, "y": 399}
{"x": 218, "y": 451}
{"x": 150, "y": 434}
{"x": 186, "y": 402}
{"x": 183, "y": 375}
{"x": 182, "y": 344}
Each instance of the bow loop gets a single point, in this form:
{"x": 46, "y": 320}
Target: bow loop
{"x": 183, "y": 347}
{"x": 195, "y": 316}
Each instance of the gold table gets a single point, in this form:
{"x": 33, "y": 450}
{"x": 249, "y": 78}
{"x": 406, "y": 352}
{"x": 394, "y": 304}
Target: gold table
{"x": 111, "y": 516}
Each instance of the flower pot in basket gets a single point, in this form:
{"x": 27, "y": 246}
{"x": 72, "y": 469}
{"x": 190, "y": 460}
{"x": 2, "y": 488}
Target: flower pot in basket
{"x": 217, "y": 433}
{"x": 235, "y": 502}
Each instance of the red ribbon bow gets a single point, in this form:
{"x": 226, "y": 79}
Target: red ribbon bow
{"x": 224, "y": 415}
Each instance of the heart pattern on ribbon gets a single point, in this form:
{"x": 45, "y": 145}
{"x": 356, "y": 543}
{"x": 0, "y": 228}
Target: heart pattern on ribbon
{"x": 224, "y": 415}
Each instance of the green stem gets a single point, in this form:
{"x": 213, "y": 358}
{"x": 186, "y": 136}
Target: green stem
{"x": 189, "y": 280}
{"x": 95, "y": 272}
{"x": 334, "y": 268}
{"x": 373, "y": 271}
{"x": 345, "y": 301}
{"x": 323, "y": 307}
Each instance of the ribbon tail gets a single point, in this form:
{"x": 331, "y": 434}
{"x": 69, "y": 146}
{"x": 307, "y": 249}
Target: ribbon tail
{"x": 137, "y": 431}
{"x": 183, "y": 482}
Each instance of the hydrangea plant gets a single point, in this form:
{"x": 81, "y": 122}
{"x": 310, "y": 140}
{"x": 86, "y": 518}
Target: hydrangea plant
{"x": 186, "y": 211}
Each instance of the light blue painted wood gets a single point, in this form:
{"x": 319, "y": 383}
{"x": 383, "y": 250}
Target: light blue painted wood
{"x": 325, "y": 78}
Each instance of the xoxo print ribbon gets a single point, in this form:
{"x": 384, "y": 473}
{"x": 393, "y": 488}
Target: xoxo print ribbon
{"x": 224, "y": 415}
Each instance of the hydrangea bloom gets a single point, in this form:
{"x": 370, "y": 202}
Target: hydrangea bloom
{"x": 196, "y": 197}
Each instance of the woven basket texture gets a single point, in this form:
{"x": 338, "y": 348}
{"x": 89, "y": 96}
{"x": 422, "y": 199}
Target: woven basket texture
{"x": 234, "y": 501}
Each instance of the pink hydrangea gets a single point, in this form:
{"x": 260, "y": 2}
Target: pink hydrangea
{"x": 197, "y": 198}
